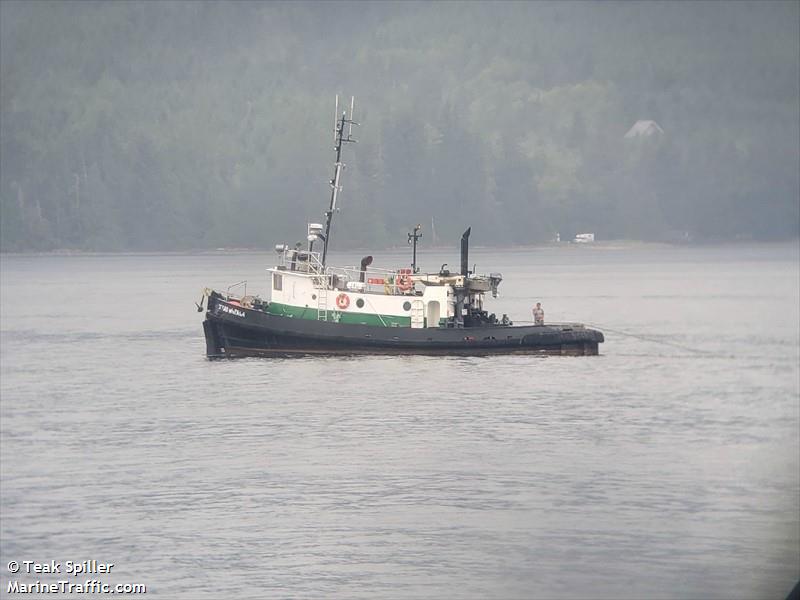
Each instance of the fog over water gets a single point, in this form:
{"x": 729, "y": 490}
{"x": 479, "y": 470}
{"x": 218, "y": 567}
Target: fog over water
{"x": 666, "y": 467}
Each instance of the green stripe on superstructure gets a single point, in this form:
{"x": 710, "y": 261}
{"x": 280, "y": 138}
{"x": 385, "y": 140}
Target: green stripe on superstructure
{"x": 338, "y": 316}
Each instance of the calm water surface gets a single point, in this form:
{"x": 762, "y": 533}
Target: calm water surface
{"x": 667, "y": 467}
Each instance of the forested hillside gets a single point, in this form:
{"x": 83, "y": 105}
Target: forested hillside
{"x": 158, "y": 126}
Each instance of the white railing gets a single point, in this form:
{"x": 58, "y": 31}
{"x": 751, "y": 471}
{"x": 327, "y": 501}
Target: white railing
{"x": 304, "y": 261}
{"x": 383, "y": 281}
{"x": 235, "y": 285}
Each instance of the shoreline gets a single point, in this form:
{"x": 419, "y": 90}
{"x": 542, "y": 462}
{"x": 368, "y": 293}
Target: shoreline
{"x": 604, "y": 245}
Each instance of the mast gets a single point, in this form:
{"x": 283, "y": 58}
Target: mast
{"x": 340, "y": 138}
{"x": 415, "y": 236}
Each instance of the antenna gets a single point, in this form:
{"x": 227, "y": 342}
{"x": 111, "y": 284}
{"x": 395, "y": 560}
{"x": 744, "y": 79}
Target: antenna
{"x": 352, "y": 106}
{"x": 335, "y": 118}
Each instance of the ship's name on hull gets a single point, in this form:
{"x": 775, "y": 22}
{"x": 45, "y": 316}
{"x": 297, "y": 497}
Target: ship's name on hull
{"x": 231, "y": 311}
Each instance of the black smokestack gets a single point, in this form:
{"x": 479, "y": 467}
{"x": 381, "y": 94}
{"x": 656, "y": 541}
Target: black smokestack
{"x": 465, "y": 251}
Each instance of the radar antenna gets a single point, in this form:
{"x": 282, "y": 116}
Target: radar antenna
{"x": 345, "y": 120}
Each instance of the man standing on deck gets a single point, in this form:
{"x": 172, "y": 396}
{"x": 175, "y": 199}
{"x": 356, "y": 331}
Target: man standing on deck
{"x": 538, "y": 314}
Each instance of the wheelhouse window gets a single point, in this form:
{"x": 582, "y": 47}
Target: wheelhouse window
{"x": 277, "y": 281}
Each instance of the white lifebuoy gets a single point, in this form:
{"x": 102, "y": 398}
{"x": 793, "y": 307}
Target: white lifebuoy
{"x": 342, "y": 301}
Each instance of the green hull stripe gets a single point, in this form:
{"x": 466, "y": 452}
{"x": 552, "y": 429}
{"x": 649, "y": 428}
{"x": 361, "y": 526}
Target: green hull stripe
{"x": 338, "y": 316}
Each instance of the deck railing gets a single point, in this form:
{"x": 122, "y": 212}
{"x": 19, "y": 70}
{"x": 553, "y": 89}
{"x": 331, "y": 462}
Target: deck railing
{"x": 376, "y": 280}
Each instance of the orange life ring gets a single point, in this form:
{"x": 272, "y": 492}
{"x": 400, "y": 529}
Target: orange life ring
{"x": 342, "y": 301}
{"x": 404, "y": 282}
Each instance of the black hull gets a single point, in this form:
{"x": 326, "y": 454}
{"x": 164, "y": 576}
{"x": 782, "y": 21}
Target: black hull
{"x": 234, "y": 331}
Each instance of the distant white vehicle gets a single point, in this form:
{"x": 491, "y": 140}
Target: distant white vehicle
{"x": 584, "y": 238}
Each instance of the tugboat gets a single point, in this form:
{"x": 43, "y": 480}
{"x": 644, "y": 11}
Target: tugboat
{"x": 314, "y": 308}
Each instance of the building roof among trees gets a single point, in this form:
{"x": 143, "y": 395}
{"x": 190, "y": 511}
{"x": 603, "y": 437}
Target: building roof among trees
{"x": 644, "y": 128}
